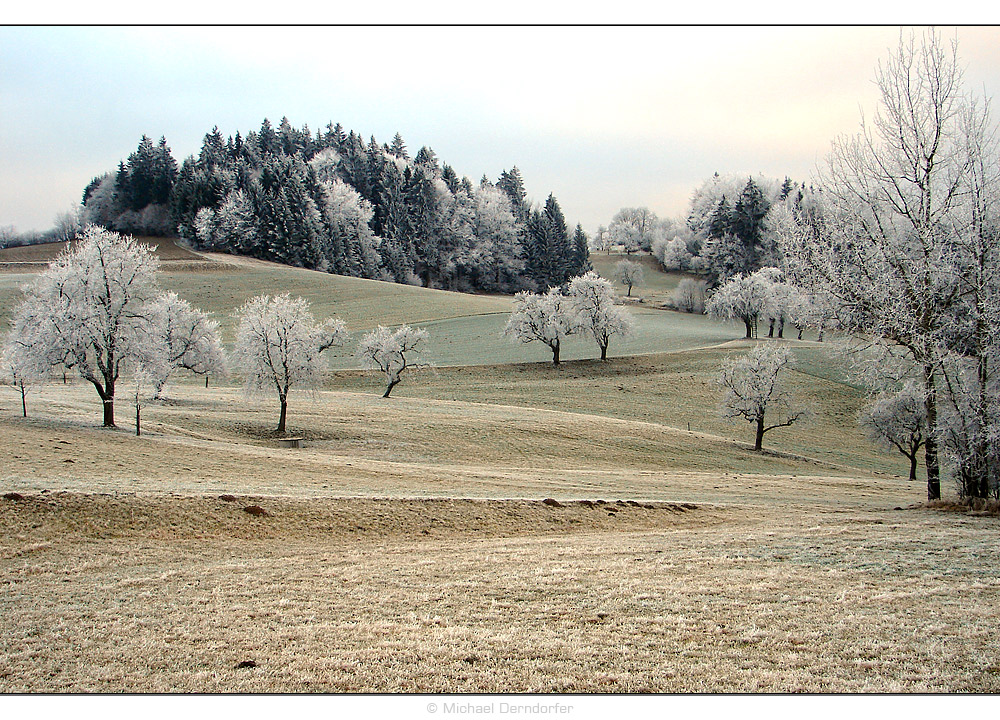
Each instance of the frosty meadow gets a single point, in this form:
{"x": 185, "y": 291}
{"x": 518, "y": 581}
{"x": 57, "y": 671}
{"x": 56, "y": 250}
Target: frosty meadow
{"x": 753, "y": 450}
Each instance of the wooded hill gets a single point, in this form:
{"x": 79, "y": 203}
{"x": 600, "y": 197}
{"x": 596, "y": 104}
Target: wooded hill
{"x": 330, "y": 201}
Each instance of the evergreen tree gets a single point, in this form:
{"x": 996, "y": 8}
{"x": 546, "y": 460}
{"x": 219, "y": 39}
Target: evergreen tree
{"x": 450, "y": 178}
{"x": 213, "y": 149}
{"x": 748, "y": 221}
{"x": 720, "y": 223}
{"x": 581, "y": 253}
{"x": 558, "y": 243}
{"x": 511, "y": 183}
{"x": 398, "y": 147}
{"x": 148, "y": 176}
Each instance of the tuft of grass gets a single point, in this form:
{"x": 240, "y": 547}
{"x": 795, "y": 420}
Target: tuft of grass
{"x": 973, "y": 506}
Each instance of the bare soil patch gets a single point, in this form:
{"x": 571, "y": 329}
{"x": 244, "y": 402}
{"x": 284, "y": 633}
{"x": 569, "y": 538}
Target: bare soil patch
{"x": 45, "y": 515}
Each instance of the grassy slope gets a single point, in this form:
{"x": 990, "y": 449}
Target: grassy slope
{"x": 789, "y": 574}
{"x": 664, "y": 386}
{"x": 656, "y": 285}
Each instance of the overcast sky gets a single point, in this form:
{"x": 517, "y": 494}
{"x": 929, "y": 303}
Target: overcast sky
{"x": 604, "y": 117}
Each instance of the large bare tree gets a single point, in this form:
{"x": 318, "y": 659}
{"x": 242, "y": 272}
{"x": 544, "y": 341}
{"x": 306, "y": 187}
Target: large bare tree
{"x": 89, "y": 311}
{"x": 884, "y": 256}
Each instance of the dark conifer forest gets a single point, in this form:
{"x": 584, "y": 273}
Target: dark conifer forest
{"x": 334, "y": 202}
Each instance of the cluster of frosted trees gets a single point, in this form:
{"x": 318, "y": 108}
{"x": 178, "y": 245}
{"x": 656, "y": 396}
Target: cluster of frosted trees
{"x": 904, "y": 253}
{"x": 899, "y": 248}
{"x": 98, "y": 310}
{"x": 730, "y": 229}
{"x": 765, "y": 295}
{"x": 587, "y": 306}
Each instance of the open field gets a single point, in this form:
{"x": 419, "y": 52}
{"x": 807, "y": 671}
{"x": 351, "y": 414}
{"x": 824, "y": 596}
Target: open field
{"x": 656, "y": 285}
{"x": 406, "y": 547}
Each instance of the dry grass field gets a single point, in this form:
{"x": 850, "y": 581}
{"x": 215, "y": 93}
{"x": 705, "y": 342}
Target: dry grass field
{"x": 492, "y": 528}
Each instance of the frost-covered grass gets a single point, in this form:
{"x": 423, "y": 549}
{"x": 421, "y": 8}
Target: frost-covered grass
{"x": 656, "y": 285}
{"x": 138, "y": 594}
{"x": 406, "y": 546}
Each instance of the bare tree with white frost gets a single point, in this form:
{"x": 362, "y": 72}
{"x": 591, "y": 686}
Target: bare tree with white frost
{"x": 184, "y": 337}
{"x": 597, "y": 315}
{"x": 547, "y": 318}
{"x": 629, "y": 274}
{"x": 278, "y": 345}
{"x": 89, "y": 310}
{"x": 753, "y": 389}
{"x": 890, "y": 253}
{"x": 689, "y": 296}
{"x": 634, "y": 228}
{"x": 898, "y": 420}
{"x": 391, "y": 352}
{"x": 672, "y": 254}
{"x": 20, "y": 367}
{"x": 743, "y": 298}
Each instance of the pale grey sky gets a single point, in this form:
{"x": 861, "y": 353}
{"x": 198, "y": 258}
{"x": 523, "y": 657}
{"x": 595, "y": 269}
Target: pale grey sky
{"x": 604, "y": 117}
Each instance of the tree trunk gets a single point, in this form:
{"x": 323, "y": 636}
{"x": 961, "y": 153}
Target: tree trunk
{"x": 749, "y": 329}
{"x": 913, "y": 466}
{"x": 389, "y": 387}
{"x": 24, "y": 400}
{"x": 759, "y": 440}
{"x": 555, "y": 354}
{"x": 107, "y": 394}
{"x": 138, "y": 421}
{"x": 604, "y": 352}
{"x": 930, "y": 447}
{"x": 800, "y": 334}
{"x": 770, "y": 329}
{"x": 284, "y": 412}
{"x": 781, "y": 330}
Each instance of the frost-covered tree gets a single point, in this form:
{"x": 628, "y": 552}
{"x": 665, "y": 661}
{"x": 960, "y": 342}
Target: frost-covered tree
{"x": 743, "y": 298}
{"x": 672, "y": 254}
{"x": 597, "y": 315}
{"x": 634, "y": 228}
{"x": 689, "y": 296}
{"x": 279, "y": 346}
{"x": 497, "y": 253}
{"x": 182, "y": 337}
{"x": 547, "y": 318}
{"x": 752, "y": 389}
{"x": 898, "y": 420}
{"x": 391, "y": 352}
{"x": 887, "y": 252}
{"x": 68, "y": 224}
{"x": 629, "y": 274}
{"x": 20, "y": 367}
{"x": 232, "y": 228}
{"x": 783, "y": 299}
{"x": 353, "y": 247}
{"x": 100, "y": 207}
{"x": 89, "y": 310}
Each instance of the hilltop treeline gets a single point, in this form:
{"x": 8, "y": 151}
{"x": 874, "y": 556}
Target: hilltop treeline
{"x": 331, "y": 201}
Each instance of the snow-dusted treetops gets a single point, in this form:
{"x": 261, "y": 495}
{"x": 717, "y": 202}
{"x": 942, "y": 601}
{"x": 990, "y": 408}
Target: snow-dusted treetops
{"x": 331, "y": 201}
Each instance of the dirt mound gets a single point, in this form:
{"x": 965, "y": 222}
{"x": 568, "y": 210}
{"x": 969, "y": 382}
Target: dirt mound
{"x": 123, "y": 515}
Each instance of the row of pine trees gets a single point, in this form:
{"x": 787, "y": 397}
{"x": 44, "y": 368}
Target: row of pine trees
{"x": 331, "y": 201}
